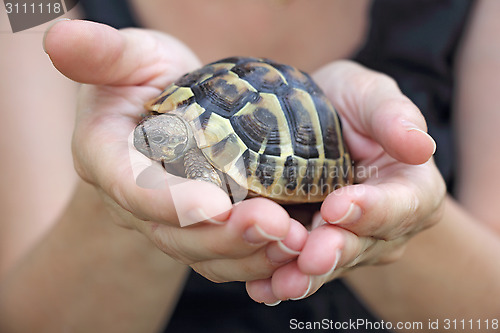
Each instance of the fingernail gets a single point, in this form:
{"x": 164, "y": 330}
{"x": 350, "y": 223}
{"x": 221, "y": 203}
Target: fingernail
{"x": 306, "y": 293}
{"x": 338, "y": 254}
{"x": 199, "y": 215}
{"x": 352, "y": 215}
{"x": 412, "y": 127}
{"x": 317, "y": 223}
{"x": 256, "y": 235}
{"x": 281, "y": 253}
{"x": 273, "y": 304}
{"x": 287, "y": 250}
{"x": 428, "y": 136}
{"x": 50, "y": 27}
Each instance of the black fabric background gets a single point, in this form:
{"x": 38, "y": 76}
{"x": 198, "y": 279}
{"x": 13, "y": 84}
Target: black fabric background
{"x": 415, "y": 42}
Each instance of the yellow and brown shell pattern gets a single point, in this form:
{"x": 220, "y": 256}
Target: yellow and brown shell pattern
{"x": 266, "y": 125}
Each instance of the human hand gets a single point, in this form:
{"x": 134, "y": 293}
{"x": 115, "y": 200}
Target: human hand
{"x": 400, "y": 190}
{"x": 121, "y": 70}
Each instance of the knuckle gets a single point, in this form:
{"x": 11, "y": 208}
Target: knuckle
{"x": 435, "y": 206}
{"x": 376, "y": 81}
{"x": 219, "y": 249}
{"x": 355, "y": 261}
{"x": 404, "y": 219}
{"x": 114, "y": 190}
{"x": 251, "y": 268}
{"x": 354, "y": 255}
{"x": 384, "y": 79}
{"x": 393, "y": 255}
{"x": 408, "y": 221}
{"x": 81, "y": 171}
{"x": 381, "y": 252}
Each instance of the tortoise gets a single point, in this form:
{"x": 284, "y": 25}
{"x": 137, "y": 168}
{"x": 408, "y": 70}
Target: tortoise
{"x": 251, "y": 126}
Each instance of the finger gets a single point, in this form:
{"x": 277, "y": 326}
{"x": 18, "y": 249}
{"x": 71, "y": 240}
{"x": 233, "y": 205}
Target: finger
{"x": 285, "y": 250}
{"x": 258, "y": 265}
{"x": 404, "y": 203}
{"x": 317, "y": 264}
{"x": 169, "y": 206}
{"x": 280, "y": 253}
{"x": 329, "y": 248}
{"x": 261, "y": 291}
{"x": 253, "y": 267}
{"x": 288, "y": 282}
{"x": 322, "y": 251}
{"x": 252, "y": 225}
{"x": 94, "y": 53}
{"x": 373, "y": 107}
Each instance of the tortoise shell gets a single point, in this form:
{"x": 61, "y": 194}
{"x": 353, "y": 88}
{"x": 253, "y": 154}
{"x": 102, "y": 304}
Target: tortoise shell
{"x": 266, "y": 125}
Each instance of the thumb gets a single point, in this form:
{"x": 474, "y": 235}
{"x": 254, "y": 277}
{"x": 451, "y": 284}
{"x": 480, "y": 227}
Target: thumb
{"x": 93, "y": 53}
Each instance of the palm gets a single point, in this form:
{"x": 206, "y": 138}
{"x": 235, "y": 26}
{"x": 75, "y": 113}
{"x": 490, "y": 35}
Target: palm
{"x": 113, "y": 115}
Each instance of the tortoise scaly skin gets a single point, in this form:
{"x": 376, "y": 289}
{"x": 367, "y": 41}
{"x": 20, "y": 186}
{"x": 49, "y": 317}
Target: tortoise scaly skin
{"x": 262, "y": 126}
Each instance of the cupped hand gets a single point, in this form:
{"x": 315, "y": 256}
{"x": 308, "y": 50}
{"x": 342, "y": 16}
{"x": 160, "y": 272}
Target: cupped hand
{"x": 399, "y": 190}
{"x": 121, "y": 70}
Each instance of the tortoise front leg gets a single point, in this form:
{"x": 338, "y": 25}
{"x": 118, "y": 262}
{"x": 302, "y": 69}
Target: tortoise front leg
{"x": 197, "y": 167}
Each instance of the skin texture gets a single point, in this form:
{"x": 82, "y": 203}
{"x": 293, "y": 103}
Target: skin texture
{"x": 163, "y": 138}
{"x": 381, "y": 104}
{"x": 167, "y": 139}
{"x": 197, "y": 167}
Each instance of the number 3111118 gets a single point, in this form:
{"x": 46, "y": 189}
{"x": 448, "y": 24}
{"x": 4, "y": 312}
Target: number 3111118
{"x": 32, "y": 8}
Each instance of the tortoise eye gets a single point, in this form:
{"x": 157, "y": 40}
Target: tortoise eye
{"x": 157, "y": 139}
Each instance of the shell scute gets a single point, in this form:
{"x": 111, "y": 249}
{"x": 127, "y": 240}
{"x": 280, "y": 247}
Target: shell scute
{"x": 266, "y": 126}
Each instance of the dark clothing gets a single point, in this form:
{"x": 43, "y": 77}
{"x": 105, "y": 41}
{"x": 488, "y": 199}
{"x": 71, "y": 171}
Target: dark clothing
{"x": 116, "y": 13}
{"x": 219, "y": 308}
{"x": 413, "y": 41}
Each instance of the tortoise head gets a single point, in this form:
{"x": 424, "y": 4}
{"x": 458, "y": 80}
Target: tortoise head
{"x": 163, "y": 138}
